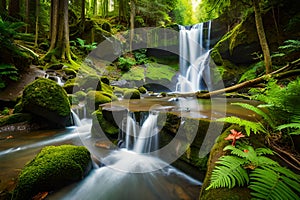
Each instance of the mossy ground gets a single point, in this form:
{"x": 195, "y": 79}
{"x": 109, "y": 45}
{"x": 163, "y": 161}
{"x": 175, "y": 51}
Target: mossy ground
{"x": 52, "y": 168}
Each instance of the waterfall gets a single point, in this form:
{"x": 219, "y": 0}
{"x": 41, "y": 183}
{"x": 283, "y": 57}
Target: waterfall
{"x": 148, "y": 137}
{"x": 75, "y": 118}
{"x": 141, "y": 140}
{"x": 194, "y": 44}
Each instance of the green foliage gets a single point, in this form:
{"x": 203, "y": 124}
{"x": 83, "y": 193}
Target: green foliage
{"x": 273, "y": 182}
{"x": 290, "y": 46}
{"x": 183, "y": 12}
{"x": 5, "y": 111}
{"x": 265, "y": 177}
{"x": 140, "y": 56}
{"x": 229, "y": 173}
{"x": 125, "y": 63}
{"x": 7, "y": 71}
{"x": 255, "y": 71}
{"x": 86, "y": 47}
{"x": 95, "y": 98}
{"x": 249, "y": 126}
{"x": 154, "y": 13}
{"x": 52, "y": 168}
{"x": 282, "y": 103}
{"x": 258, "y": 111}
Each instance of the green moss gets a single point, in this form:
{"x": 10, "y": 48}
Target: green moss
{"x": 70, "y": 86}
{"x": 69, "y": 71}
{"x": 106, "y": 88}
{"x": 73, "y": 99}
{"x": 157, "y": 71}
{"x": 47, "y": 95}
{"x": 142, "y": 90}
{"x": 53, "y": 168}
{"x": 136, "y": 73}
{"x": 132, "y": 94}
{"x": 95, "y": 98}
{"x": 105, "y": 80}
{"x": 15, "y": 118}
{"x": 105, "y": 126}
{"x": 80, "y": 95}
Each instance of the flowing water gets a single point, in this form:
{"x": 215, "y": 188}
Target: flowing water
{"x": 194, "y": 44}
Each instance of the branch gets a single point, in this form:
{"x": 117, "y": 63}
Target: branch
{"x": 278, "y": 74}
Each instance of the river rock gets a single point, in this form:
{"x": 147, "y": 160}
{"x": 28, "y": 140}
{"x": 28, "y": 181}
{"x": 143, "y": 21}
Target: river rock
{"x": 45, "y": 98}
{"x": 53, "y": 168}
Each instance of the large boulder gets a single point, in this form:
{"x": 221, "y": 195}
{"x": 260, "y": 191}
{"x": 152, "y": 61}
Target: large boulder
{"x": 47, "y": 99}
{"x": 53, "y": 168}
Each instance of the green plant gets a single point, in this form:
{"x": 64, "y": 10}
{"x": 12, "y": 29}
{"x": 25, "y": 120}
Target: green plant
{"x": 7, "y": 71}
{"x": 140, "y": 56}
{"x": 86, "y": 47}
{"x": 249, "y": 126}
{"x": 264, "y": 176}
{"x": 125, "y": 63}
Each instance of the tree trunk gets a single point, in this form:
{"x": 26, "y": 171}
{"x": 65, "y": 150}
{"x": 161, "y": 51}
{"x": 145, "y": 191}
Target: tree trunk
{"x": 60, "y": 43}
{"x": 37, "y": 12}
{"x": 54, "y": 23}
{"x": 262, "y": 36}
{"x": 14, "y": 9}
{"x": 27, "y": 13}
{"x": 2, "y": 6}
{"x": 82, "y": 16}
{"x": 123, "y": 5}
{"x": 95, "y": 7}
{"x": 132, "y": 16}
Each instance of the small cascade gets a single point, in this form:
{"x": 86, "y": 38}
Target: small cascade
{"x": 148, "y": 137}
{"x": 75, "y": 118}
{"x": 194, "y": 61}
{"x": 141, "y": 138}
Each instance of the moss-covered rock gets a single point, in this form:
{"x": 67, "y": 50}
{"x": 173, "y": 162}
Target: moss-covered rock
{"x": 90, "y": 81}
{"x": 103, "y": 125}
{"x": 80, "y": 95}
{"x": 95, "y": 98}
{"x": 47, "y": 99}
{"x": 71, "y": 86}
{"x": 15, "y": 118}
{"x": 53, "y": 168}
{"x": 132, "y": 94}
{"x": 142, "y": 90}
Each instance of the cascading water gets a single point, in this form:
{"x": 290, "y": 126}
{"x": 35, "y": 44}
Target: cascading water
{"x": 133, "y": 174}
{"x": 194, "y": 58}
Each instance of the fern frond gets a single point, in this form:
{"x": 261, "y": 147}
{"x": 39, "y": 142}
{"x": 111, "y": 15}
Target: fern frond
{"x": 291, "y": 126}
{"x": 235, "y": 151}
{"x": 264, "y": 151}
{"x": 274, "y": 183}
{"x": 249, "y": 126}
{"x": 258, "y": 111}
{"x": 229, "y": 173}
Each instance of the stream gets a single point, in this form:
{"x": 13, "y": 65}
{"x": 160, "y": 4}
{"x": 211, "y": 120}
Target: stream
{"x": 126, "y": 173}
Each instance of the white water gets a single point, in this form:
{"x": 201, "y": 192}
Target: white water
{"x": 194, "y": 58}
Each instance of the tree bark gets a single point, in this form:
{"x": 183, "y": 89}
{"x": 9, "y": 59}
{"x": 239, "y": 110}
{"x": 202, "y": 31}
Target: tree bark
{"x": 262, "y": 36}
{"x": 54, "y": 23}
{"x": 14, "y": 9}
{"x": 132, "y": 16}
{"x": 37, "y": 12}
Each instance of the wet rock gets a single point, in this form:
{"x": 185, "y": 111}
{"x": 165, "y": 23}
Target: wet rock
{"x": 53, "y": 168}
{"x": 45, "y": 98}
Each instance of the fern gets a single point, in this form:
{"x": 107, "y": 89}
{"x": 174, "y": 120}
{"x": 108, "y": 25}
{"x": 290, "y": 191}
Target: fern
{"x": 229, "y": 173}
{"x": 258, "y": 111}
{"x": 249, "y": 126}
{"x": 7, "y": 71}
{"x": 266, "y": 178}
{"x": 291, "y": 126}
{"x": 271, "y": 182}
{"x": 290, "y": 46}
